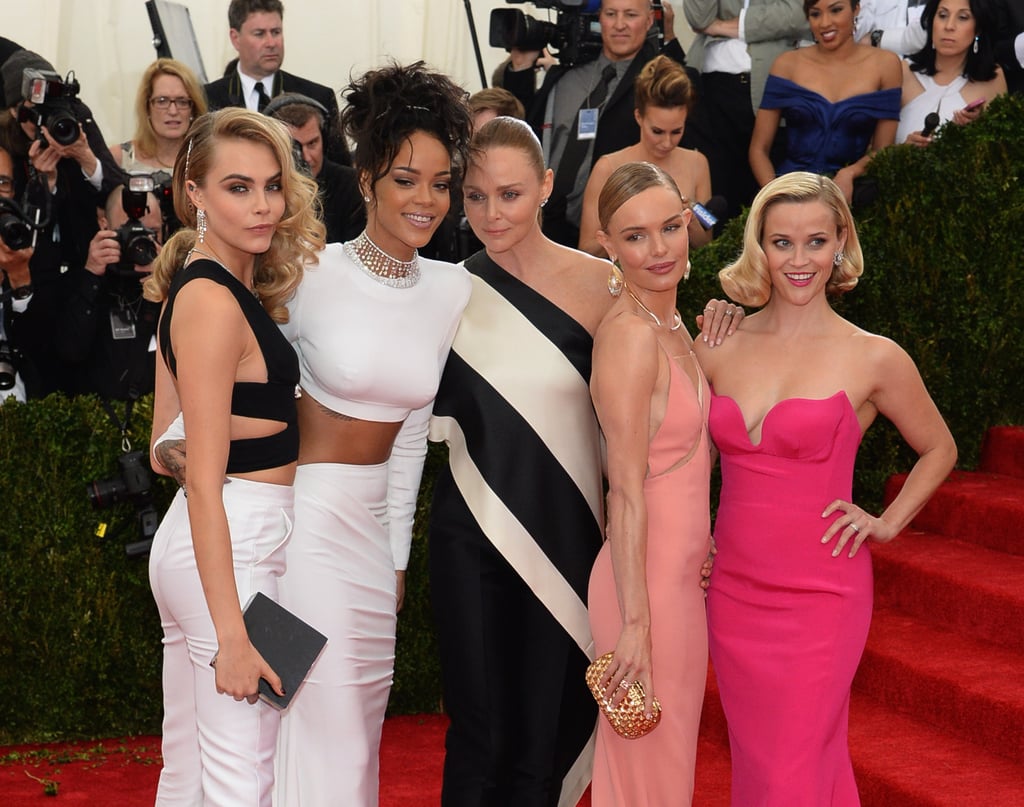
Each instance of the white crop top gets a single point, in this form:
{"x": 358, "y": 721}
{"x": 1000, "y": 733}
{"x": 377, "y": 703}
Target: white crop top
{"x": 371, "y": 351}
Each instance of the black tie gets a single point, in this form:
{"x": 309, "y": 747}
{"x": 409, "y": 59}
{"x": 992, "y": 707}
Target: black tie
{"x": 576, "y": 149}
{"x": 264, "y": 99}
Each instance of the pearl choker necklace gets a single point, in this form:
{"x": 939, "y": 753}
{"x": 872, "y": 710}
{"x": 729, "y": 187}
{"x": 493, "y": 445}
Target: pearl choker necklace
{"x": 380, "y": 266}
{"x": 677, "y": 321}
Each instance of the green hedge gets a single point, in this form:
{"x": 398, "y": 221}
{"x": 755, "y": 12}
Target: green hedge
{"x": 79, "y": 633}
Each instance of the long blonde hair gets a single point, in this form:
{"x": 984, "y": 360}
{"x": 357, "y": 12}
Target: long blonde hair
{"x": 145, "y": 135}
{"x": 747, "y": 280}
{"x": 300, "y": 234}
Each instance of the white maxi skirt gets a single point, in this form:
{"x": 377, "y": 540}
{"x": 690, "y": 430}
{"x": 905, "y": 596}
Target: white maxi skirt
{"x": 340, "y": 579}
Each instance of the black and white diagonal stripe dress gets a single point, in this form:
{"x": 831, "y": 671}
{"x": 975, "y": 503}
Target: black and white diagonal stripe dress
{"x": 515, "y": 527}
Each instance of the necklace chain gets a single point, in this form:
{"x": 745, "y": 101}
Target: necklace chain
{"x": 383, "y": 267}
{"x": 213, "y": 256}
{"x": 677, "y": 321}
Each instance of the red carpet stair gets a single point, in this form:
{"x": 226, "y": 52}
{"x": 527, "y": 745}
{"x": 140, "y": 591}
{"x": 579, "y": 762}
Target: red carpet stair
{"x": 937, "y": 718}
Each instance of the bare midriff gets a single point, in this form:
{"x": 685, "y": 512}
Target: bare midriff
{"x": 326, "y": 436}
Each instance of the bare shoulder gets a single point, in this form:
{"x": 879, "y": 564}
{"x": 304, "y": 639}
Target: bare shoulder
{"x": 202, "y": 298}
{"x": 624, "y": 340}
{"x": 787, "y": 62}
{"x": 881, "y": 353}
{"x": 888, "y": 65}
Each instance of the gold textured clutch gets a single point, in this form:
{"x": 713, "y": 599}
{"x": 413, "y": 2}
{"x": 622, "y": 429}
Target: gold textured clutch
{"x": 629, "y": 718}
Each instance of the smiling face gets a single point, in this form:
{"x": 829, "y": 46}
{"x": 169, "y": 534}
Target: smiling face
{"x": 408, "y": 203}
{"x": 800, "y": 241}
{"x": 661, "y": 129}
{"x": 624, "y": 25}
{"x": 832, "y": 22}
{"x": 243, "y": 200}
{"x": 171, "y": 122}
{"x": 260, "y": 44}
{"x": 953, "y": 28}
{"x": 647, "y": 235}
{"x": 503, "y": 193}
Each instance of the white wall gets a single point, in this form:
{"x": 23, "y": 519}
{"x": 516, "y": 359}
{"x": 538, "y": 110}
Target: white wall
{"x": 108, "y": 43}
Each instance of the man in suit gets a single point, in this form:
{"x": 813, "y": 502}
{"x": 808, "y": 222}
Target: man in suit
{"x": 736, "y": 43}
{"x": 342, "y": 208}
{"x": 575, "y": 100}
{"x": 257, "y": 34}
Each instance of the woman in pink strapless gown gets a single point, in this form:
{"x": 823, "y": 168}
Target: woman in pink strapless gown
{"x": 790, "y": 598}
{"x": 645, "y": 599}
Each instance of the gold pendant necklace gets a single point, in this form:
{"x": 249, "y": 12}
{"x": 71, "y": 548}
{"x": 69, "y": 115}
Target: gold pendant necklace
{"x": 677, "y": 321}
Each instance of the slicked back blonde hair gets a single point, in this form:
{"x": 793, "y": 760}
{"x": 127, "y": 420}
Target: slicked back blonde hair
{"x": 747, "y": 280}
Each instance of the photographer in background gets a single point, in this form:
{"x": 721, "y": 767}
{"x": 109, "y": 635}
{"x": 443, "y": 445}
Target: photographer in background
{"x": 28, "y": 367}
{"x": 105, "y": 329}
{"x": 343, "y": 211}
{"x": 585, "y": 111}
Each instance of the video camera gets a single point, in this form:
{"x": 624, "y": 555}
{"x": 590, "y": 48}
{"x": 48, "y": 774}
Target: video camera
{"x": 51, "y": 97}
{"x": 138, "y": 242}
{"x": 575, "y": 34}
{"x": 132, "y": 484}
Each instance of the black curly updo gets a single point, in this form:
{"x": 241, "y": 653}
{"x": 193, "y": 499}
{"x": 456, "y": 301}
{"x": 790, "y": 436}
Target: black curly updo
{"x": 385, "y": 107}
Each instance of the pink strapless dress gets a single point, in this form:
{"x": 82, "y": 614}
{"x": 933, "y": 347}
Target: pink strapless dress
{"x": 787, "y": 621}
{"x": 657, "y": 770}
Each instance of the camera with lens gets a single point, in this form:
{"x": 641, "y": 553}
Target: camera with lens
{"x": 575, "y": 34}
{"x": 138, "y": 242}
{"x": 52, "y": 107}
{"x": 16, "y": 228}
{"x": 9, "y": 357}
{"x": 132, "y": 484}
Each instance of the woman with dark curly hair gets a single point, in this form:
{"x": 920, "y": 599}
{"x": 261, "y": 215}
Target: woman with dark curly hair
{"x": 955, "y": 73}
{"x": 372, "y": 325}
{"x": 223, "y": 279}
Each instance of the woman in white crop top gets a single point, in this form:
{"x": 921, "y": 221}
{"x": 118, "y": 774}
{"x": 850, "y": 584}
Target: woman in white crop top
{"x": 372, "y": 325}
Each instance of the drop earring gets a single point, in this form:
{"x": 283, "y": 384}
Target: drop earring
{"x": 686, "y": 274}
{"x": 615, "y": 279}
{"x": 837, "y": 259}
{"x": 201, "y": 225}
{"x": 975, "y": 48}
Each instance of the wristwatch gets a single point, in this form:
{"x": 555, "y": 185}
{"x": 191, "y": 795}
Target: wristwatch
{"x": 22, "y": 292}
{"x": 876, "y": 38}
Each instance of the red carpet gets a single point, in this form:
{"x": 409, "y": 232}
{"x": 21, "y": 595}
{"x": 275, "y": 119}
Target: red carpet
{"x": 938, "y": 709}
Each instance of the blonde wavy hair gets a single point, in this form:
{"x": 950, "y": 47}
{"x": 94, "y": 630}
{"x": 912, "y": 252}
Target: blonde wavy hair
{"x": 145, "y": 136}
{"x": 747, "y": 280}
{"x": 300, "y": 234}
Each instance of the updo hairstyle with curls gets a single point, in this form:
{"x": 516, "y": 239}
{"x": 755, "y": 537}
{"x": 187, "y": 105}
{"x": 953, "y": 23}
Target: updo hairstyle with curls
{"x": 747, "y": 280}
{"x": 627, "y": 181}
{"x": 385, "y": 107}
{"x": 299, "y": 235}
{"x": 663, "y": 83}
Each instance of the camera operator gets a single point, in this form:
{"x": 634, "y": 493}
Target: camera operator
{"x": 575, "y": 101}
{"x": 343, "y": 211}
{"x": 29, "y": 367}
{"x": 106, "y": 329}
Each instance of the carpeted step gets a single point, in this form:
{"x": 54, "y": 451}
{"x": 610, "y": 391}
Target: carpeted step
{"x": 1002, "y": 451}
{"x": 981, "y": 508}
{"x": 951, "y": 584}
{"x": 963, "y": 686}
{"x": 900, "y": 762}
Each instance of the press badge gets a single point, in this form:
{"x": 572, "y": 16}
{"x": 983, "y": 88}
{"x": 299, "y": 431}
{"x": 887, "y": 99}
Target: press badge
{"x": 122, "y": 325}
{"x": 586, "y": 129}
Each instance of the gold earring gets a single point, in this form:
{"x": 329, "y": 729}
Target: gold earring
{"x": 615, "y": 279}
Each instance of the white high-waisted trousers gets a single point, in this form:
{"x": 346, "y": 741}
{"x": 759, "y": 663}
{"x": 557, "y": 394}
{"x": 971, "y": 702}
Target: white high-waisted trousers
{"x": 217, "y": 751}
{"x": 340, "y": 579}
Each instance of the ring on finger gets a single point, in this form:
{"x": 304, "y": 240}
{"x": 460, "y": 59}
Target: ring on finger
{"x": 709, "y": 308}
{"x": 728, "y": 312}
{"x": 624, "y": 684}
{"x": 854, "y": 527}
